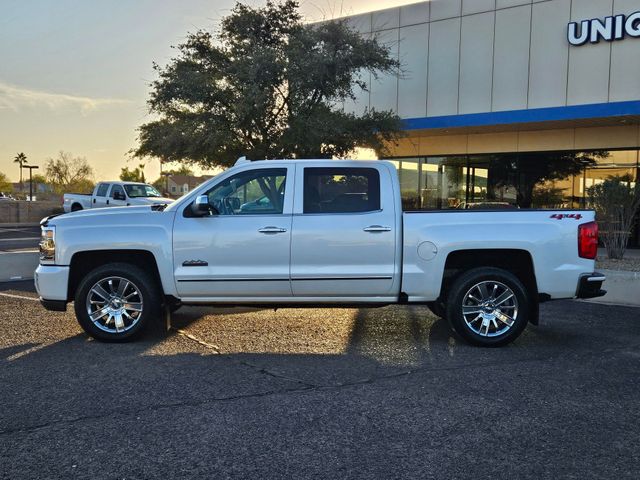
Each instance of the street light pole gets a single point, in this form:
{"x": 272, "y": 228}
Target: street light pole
{"x": 30, "y": 167}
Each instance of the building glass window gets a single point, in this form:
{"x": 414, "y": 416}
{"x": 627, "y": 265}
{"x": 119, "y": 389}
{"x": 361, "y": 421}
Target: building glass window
{"x": 510, "y": 180}
{"x": 443, "y": 182}
{"x": 552, "y": 180}
{"x": 410, "y": 183}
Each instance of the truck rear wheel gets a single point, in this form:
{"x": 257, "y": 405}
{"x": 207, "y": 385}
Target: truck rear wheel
{"x": 488, "y": 307}
{"x": 117, "y": 302}
{"x": 75, "y": 207}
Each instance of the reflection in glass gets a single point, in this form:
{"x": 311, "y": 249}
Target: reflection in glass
{"x": 509, "y": 180}
{"x": 409, "y": 183}
{"x": 443, "y": 182}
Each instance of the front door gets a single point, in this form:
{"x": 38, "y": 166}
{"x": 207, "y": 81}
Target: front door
{"x": 344, "y": 234}
{"x": 242, "y": 250}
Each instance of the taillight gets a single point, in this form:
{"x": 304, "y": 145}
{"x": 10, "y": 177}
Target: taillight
{"x": 588, "y": 240}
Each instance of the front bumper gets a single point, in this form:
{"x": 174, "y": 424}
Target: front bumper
{"x": 589, "y": 285}
{"x": 51, "y": 283}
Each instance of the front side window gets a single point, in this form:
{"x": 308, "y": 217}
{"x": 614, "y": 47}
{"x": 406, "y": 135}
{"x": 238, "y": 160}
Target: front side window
{"x": 341, "y": 190}
{"x": 117, "y": 190}
{"x": 102, "y": 190}
{"x": 252, "y": 192}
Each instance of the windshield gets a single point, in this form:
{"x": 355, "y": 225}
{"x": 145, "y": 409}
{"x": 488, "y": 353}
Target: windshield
{"x": 136, "y": 191}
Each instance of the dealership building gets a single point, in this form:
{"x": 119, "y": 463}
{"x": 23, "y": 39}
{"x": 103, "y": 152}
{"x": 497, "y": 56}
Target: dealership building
{"x": 509, "y": 103}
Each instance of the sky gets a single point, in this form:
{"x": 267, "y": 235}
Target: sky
{"x": 75, "y": 74}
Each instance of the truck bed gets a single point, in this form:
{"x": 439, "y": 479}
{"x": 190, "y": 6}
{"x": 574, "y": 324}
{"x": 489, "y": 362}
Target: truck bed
{"x": 548, "y": 236}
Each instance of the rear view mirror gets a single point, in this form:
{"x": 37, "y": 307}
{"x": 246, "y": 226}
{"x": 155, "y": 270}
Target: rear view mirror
{"x": 202, "y": 208}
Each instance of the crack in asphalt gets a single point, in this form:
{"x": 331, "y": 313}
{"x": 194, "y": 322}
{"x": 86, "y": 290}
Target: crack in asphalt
{"x": 305, "y": 386}
{"x": 259, "y": 369}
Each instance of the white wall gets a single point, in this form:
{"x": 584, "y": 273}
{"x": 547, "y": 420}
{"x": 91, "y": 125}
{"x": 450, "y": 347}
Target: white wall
{"x": 474, "y": 56}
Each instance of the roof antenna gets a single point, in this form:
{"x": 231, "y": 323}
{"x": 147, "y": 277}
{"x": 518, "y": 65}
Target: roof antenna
{"x": 241, "y": 160}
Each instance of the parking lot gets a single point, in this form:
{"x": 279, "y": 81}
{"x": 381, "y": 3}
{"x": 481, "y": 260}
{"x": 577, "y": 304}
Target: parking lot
{"x": 370, "y": 393}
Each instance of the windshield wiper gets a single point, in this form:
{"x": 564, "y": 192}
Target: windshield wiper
{"x": 159, "y": 208}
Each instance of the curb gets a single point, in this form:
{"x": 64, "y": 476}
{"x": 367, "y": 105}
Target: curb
{"x": 623, "y": 288}
{"x": 18, "y": 265}
{"x": 18, "y": 225}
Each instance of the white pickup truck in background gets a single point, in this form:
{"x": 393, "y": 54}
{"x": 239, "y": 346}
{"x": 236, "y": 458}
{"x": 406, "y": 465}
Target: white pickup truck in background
{"x": 320, "y": 233}
{"x": 114, "y": 194}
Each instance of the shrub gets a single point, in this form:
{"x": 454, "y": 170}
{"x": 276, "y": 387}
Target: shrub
{"x": 616, "y": 202}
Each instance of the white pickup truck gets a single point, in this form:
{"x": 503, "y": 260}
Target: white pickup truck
{"x": 314, "y": 232}
{"x": 114, "y": 194}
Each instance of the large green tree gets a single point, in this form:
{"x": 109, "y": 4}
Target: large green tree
{"x": 267, "y": 86}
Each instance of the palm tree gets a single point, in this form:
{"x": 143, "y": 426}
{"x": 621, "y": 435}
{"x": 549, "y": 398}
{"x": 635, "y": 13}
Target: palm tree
{"x": 21, "y": 159}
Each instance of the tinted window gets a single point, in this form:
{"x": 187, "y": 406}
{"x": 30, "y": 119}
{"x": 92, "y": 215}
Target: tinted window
{"x": 102, "y": 190}
{"x": 250, "y": 193}
{"x": 137, "y": 191}
{"x": 341, "y": 190}
{"x": 117, "y": 189}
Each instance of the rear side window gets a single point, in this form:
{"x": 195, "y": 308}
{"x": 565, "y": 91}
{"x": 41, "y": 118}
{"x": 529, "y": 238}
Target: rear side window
{"x": 341, "y": 190}
{"x": 102, "y": 190}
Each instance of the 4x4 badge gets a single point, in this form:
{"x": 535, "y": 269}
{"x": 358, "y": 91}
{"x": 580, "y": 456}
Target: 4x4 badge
{"x": 560, "y": 216}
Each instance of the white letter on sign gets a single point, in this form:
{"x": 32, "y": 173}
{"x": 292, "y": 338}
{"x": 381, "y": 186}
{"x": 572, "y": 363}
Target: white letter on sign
{"x": 632, "y": 25}
{"x": 572, "y": 34}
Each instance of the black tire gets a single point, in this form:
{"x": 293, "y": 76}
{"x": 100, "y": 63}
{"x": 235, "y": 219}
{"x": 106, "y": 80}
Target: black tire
{"x": 75, "y": 207}
{"x": 438, "y": 308}
{"x": 150, "y": 299}
{"x": 472, "y": 280}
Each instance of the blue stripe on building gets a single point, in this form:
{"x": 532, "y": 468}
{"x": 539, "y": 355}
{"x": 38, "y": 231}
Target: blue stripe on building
{"x": 573, "y": 112}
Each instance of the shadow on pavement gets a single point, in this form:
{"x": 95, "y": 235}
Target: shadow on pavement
{"x": 236, "y": 391}
{"x": 25, "y": 286}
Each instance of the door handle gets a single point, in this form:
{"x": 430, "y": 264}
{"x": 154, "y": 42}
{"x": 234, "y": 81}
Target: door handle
{"x": 272, "y": 230}
{"x": 377, "y": 228}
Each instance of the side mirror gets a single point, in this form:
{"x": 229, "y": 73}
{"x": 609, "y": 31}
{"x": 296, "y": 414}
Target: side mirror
{"x": 201, "y": 207}
{"x": 118, "y": 196}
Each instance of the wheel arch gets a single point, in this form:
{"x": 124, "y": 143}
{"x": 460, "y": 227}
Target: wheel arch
{"x": 84, "y": 262}
{"x": 516, "y": 261}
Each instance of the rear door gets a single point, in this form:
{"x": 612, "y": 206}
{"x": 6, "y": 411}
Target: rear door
{"x": 100, "y": 198}
{"x": 344, "y": 240}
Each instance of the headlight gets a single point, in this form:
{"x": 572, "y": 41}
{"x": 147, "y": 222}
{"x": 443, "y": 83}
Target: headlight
{"x": 48, "y": 245}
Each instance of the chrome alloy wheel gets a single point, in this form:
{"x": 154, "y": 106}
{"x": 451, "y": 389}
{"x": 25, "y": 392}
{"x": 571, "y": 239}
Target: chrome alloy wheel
{"x": 114, "y": 304}
{"x": 490, "y": 308}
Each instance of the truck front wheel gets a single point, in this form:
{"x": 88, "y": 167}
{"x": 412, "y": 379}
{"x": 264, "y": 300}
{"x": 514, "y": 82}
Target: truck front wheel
{"x": 117, "y": 302}
{"x": 488, "y": 307}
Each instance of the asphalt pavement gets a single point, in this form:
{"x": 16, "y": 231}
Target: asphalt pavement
{"x": 318, "y": 393}
{"x": 19, "y": 237}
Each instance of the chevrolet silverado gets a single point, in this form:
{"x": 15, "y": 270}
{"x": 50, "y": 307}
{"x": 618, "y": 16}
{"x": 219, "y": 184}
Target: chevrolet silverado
{"x": 314, "y": 232}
